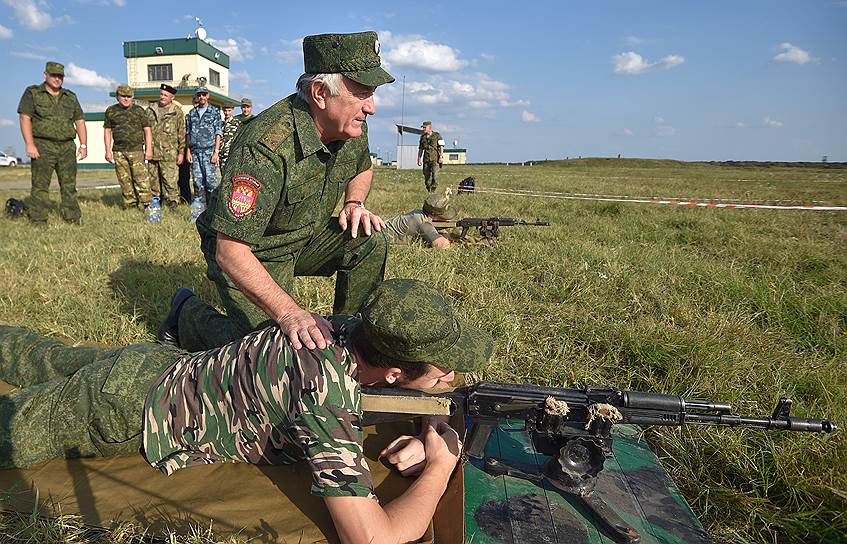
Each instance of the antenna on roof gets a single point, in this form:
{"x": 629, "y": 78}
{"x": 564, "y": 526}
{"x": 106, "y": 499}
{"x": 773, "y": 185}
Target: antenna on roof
{"x": 200, "y": 32}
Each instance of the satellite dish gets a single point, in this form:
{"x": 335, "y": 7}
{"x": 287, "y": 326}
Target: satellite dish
{"x": 200, "y": 33}
{"x": 455, "y": 143}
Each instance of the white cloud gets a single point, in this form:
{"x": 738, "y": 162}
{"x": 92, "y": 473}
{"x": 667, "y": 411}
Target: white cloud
{"x": 529, "y": 117}
{"x": 5, "y": 33}
{"x": 239, "y": 49}
{"x": 84, "y": 77}
{"x": 96, "y": 107}
{"x": 6, "y": 123}
{"x": 793, "y": 54}
{"x": 740, "y": 124}
{"x": 631, "y": 63}
{"x": 663, "y": 129}
{"x": 487, "y": 57}
{"x": 772, "y": 123}
{"x": 634, "y": 40}
{"x": 626, "y": 132}
{"x": 416, "y": 52}
{"x": 243, "y": 77}
{"x": 291, "y": 52}
{"x": 30, "y": 15}
{"x": 29, "y": 55}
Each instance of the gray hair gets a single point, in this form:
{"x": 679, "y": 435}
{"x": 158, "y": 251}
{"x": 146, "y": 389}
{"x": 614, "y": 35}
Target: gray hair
{"x": 331, "y": 81}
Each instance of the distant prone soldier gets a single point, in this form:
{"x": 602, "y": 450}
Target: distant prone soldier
{"x": 128, "y": 141}
{"x": 168, "y": 125}
{"x": 416, "y": 226}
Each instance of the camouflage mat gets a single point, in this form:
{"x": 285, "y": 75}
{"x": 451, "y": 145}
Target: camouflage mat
{"x": 263, "y": 504}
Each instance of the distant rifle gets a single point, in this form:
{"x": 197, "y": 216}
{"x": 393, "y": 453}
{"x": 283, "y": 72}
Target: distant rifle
{"x": 573, "y": 427}
{"x": 489, "y": 228}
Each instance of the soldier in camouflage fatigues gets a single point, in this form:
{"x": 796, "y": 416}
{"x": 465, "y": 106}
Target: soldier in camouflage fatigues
{"x": 128, "y": 126}
{"x": 230, "y": 125}
{"x": 203, "y": 136}
{"x": 431, "y": 151}
{"x": 168, "y": 124}
{"x": 281, "y": 184}
{"x": 50, "y": 118}
{"x": 256, "y": 400}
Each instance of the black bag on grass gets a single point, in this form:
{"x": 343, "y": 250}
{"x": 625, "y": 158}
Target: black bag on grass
{"x": 15, "y": 208}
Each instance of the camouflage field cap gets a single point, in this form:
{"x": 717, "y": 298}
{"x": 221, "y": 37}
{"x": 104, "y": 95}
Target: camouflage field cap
{"x": 246, "y": 102}
{"x": 201, "y": 90}
{"x": 354, "y": 55}
{"x": 426, "y": 123}
{"x": 413, "y": 322}
{"x": 436, "y": 204}
{"x": 124, "y": 90}
{"x": 54, "y": 68}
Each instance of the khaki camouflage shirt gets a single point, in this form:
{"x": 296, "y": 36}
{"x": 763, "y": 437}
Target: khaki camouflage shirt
{"x": 259, "y": 401}
{"x": 168, "y": 126}
{"x": 127, "y": 126}
{"x": 430, "y": 145}
{"x": 410, "y": 227}
{"x": 52, "y": 117}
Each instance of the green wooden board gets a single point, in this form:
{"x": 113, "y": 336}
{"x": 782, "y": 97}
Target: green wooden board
{"x": 504, "y": 509}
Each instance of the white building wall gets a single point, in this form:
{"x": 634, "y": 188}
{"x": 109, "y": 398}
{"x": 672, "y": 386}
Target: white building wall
{"x": 193, "y": 65}
{"x": 407, "y": 157}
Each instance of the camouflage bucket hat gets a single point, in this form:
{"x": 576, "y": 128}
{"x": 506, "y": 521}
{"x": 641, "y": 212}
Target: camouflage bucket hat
{"x": 436, "y": 204}
{"x": 353, "y": 55}
{"x": 124, "y": 90}
{"x": 54, "y": 68}
{"x": 413, "y": 322}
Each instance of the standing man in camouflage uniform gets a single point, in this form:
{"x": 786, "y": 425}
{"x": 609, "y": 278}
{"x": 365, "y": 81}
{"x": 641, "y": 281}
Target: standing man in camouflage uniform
{"x": 431, "y": 150}
{"x": 257, "y": 400}
{"x": 417, "y": 225}
{"x": 50, "y": 118}
{"x": 272, "y": 219}
{"x": 168, "y": 124}
{"x": 230, "y": 125}
{"x": 246, "y": 109}
{"x": 128, "y": 125}
{"x": 203, "y": 135}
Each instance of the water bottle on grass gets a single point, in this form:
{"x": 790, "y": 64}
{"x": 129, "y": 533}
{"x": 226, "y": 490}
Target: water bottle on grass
{"x": 197, "y": 208}
{"x": 153, "y": 213}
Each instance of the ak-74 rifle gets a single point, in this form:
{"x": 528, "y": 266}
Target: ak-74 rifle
{"x": 489, "y": 227}
{"x": 573, "y": 427}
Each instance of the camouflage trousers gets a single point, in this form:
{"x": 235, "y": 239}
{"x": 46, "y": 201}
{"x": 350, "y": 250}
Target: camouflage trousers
{"x": 205, "y": 173}
{"x": 132, "y": 176}
{"x": 358, "y": 262}
{"x": 74, "y": 401}
{"x": 429, "y": 169}
{"x": 164, "y": 179}
{"x": 61, "y": 158}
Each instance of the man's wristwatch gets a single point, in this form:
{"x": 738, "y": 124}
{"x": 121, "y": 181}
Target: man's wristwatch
{"x": 358, "y": 203}
{"x": 83, "y": 146}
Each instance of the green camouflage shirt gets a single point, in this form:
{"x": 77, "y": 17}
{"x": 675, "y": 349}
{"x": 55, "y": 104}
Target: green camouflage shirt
{"x": 409, "y": 227}
{"x": 430, "y": 146}
{"x": 127, "y": 126}
{"x": 257, "y": 400}
{"x": 168, "y": 126}
{"x": 52, "y": 117}
{"x": 280, "y": 184}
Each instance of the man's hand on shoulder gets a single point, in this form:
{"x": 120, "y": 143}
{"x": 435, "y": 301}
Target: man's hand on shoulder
{"x": 306, "y": 329}
{"x": 354, "y": 214}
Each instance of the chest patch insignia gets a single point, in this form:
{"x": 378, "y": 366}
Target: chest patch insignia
{"x": 245, "y": 190}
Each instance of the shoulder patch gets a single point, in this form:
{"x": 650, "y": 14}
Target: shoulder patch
{"x": 277, "y": 133}
{"x": 245, "y": 190}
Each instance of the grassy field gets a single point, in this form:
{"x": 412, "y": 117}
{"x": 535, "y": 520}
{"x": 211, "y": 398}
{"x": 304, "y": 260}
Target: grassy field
{"x": 734, "y": 305}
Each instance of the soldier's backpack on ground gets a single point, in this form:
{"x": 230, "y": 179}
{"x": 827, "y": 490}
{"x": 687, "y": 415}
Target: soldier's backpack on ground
{"x": 467, "y": 185}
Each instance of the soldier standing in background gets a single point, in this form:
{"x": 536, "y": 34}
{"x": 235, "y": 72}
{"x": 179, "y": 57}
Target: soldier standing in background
{"x": 431, "y": 149}
{"x": 168, "y": 125}
{"x": 50, "y": 118}
{"x": 246, "y": 110}
{"x": 128, "y": 126}
{"x": 203, "y": 135}
{"x": 230, "y": 125}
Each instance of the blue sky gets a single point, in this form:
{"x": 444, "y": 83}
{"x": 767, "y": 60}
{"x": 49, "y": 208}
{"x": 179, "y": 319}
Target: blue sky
{"x": 510, "y": 81}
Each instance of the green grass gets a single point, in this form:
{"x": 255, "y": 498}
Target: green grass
{"x": 734, "y": 305}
